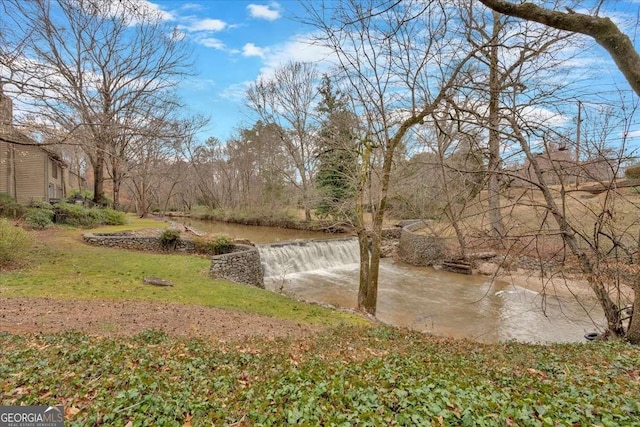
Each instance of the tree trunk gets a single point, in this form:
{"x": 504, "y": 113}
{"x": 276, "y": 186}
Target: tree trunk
{"x": 610, "y": 308}
{"x": 495, "y": 214}
{"x": 98, "y": 177}
{"x": 633, "y": 333}
{"x": 366, "y": 301}
{"x": 117, "y": 181}
{"x": 368, "y": 294}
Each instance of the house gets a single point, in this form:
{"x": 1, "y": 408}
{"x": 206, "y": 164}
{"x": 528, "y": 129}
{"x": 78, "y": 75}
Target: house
{"x": 29, "y": 171}
{"x": 558, "y": 165}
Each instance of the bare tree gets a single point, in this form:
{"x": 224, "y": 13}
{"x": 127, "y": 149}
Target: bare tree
{"x": 402, "y": 60}
{"x": 99, "y": 70}
{"x": 288, "y": 100}
{"x": 153, "y": 169}
{"x": 612, "y": 242}
{"x": 602, "y": 29}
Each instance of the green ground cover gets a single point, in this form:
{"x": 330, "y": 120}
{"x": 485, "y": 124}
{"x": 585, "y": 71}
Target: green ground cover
{"x": 343, "y": 376}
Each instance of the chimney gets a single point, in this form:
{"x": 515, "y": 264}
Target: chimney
{"x": 6, "y": 109}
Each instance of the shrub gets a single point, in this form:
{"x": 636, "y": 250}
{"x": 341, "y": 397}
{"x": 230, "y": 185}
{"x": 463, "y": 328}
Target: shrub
{"x": 76, "y": 215}
{"x": 113, "y": 217}
{"x": 80, "y": 216}
{"x": 217, "y": 246}
{"x": 9, "y": 207}
{"x": 40, "y": 204}
{"x": 39, "y": 218}
{"x": 14, "y": 243}
{"x": 633, "y": 171}
{"x": 169, "y": 239}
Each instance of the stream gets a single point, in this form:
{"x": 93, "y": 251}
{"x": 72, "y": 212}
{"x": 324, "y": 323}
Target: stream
{"x": 325, "y": 270}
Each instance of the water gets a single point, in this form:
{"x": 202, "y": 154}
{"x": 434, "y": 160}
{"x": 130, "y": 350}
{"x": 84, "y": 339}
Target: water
{"x": 425, "y": 299}
{"x": 256, "y": 234}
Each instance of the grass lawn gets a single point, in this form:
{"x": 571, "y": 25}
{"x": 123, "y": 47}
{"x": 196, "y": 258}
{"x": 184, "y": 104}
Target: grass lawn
{"x": 62, "y": 266}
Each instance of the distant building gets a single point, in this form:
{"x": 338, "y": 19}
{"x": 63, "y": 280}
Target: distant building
{"x": 29, "y": 171}
{"x": 558, "y": 164}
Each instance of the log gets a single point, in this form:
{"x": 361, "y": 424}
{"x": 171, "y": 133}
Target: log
{"x": 194, "y": 231}
{"x": 457, "y": 267}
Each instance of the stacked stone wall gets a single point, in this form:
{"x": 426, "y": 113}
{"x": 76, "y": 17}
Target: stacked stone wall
{"x": 241, "y": 266}
{"x": 422, "y": 249}
{"x": 133, "y": 242}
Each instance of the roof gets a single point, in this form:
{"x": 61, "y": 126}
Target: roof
{"x": 13, "y": 136}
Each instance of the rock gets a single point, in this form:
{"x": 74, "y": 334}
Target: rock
{"x": 487, "y": 268}
{"x": 156, "y": 281}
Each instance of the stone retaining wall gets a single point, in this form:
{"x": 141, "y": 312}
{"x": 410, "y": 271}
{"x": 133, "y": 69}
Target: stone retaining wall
{"x": 241, "y": 266}
{"x": 391, "y": 233}
{"x": 133, "y": 242}
{"x": 422, "y": 249}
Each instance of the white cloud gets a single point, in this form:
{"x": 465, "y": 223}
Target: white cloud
{"x": 270, "y": 12}
{"x": 207, "y": 24}
{"x": 154, "y": 9}
{"x": 631, "y": 134}
{"x": 134, "y": 11}
{"x": 211, "y": 42}
{"x": 297, "y": 49}
{"x": 191, "y": 6}
{"x": 236, "y": 92}
{"x": 251, "y": 49}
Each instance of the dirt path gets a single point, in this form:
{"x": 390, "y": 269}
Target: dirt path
{"x": 124, "y": 318}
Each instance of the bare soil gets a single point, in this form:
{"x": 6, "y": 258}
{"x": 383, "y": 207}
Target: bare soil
{"x": 20, "y": 315}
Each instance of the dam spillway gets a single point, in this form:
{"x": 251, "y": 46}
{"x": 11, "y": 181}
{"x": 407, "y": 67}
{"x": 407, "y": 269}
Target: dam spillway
{"x": 281, "y": 259}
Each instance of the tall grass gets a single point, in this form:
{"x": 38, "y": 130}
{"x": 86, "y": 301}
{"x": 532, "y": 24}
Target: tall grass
{"x": 14, "y": 243}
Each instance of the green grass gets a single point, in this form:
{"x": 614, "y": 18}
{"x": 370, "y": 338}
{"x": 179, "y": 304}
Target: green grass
{"x": 67, "y": 268}
{"x": 344, "y": 376}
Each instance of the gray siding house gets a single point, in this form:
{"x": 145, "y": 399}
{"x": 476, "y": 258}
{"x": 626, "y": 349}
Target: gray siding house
{"x": 29, "y": 171}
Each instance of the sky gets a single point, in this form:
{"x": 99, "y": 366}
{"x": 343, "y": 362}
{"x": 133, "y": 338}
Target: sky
{"x": 235, "y": 41}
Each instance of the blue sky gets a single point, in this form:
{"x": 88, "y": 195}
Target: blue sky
{"x": 235, "y": 41}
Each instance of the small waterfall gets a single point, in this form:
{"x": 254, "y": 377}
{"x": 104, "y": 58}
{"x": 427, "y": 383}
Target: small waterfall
{"x": 280, "y": 259}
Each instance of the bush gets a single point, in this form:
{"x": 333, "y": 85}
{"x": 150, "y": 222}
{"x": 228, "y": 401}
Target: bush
{"x": 633, "y": 171}
{"x": 40, "y": 204}
{"x": 113, "y": 217}
{"x": 169, "y": 239}
{"x": 9, "y": 207}
{"x": 76, "y": 215}
{"x": 14, "y": 243}
{"x": 217, "y": 246}
{"x": 39, "y": 218}
{"x": 80, "y": 216}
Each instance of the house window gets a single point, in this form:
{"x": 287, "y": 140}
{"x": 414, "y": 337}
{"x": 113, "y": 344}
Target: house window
{"x": 52, "y": 191}
{"x": 54, "y": 170}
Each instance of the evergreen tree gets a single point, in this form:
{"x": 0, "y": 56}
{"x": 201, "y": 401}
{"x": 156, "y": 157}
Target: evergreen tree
{"x": 337, "y": 156}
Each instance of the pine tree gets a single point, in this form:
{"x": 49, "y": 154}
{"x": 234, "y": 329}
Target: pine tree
{"x": 337, "y": 154}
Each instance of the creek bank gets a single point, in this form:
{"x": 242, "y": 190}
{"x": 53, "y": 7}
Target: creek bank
{"x": 264, "y": 221}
